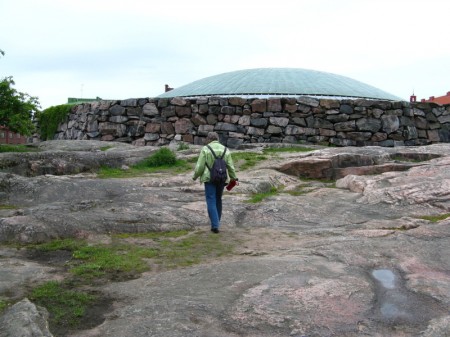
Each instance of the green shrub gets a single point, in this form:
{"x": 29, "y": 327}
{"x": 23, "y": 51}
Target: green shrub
{"x": 50, "y": 118}
{"x": 163, "y": 157}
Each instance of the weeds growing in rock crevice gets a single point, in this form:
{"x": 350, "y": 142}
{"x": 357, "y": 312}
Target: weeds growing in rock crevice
{"x": 125, "y": 257}
{"x": 436, "y": 218}
{"x": 106, "y": 148}
{"x": 258, "y": 197}
{"x": 3, "y": 305}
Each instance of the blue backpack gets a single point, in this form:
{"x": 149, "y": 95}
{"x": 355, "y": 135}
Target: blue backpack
{"x": 218, "y": 171}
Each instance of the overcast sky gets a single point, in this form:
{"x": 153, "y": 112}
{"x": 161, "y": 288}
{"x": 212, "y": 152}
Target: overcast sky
{"x": 56, "y": 49}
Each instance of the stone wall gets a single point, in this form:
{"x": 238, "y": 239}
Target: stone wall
{"x": 158, "y": 121}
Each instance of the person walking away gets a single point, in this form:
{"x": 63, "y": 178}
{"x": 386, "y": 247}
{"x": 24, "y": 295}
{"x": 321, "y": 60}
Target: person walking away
{"x": 213, "y": 191}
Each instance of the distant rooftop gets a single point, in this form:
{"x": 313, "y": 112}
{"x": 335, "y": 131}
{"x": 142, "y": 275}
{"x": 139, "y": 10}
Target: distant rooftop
{"x": 440, "y": 99}
{"x": 280, "y": 81}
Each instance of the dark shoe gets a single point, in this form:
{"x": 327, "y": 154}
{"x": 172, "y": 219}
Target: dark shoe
{"x": 215, "y": 230}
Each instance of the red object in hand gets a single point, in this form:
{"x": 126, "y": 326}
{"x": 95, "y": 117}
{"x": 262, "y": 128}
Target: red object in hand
{"x": 231, "y": 184}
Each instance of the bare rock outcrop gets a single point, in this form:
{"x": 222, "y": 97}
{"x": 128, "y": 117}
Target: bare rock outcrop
{"x": 72, "y": 157}
{"x": 24, "y": 319}
{"x": 356, "y": 258}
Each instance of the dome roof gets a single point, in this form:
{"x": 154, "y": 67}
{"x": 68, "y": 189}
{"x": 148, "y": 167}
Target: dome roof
{"x": 279, "y": 81}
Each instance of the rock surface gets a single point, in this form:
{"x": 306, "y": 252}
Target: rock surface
{"x": 24, "y": 319}
{"x": 356, "y": 260}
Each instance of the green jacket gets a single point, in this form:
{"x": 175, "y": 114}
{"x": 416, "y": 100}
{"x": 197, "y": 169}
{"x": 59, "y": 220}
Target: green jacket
{"x": 207, "y": 157}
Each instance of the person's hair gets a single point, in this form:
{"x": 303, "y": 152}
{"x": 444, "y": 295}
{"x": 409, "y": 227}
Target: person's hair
{"x": 212, "y": 136}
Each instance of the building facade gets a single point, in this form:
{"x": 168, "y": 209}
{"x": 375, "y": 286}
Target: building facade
{"x": 9, "y": 137}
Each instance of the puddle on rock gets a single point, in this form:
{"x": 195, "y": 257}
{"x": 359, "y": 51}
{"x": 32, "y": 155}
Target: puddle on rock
{"x": 386, "y": 277}
{"x": 396, "y": 304}
{"x": 391, "y": 310}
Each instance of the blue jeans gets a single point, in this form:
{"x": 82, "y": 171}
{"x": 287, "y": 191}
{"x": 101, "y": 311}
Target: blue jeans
{"x": 213, "y": 195}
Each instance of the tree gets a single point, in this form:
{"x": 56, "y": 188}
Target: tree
{"x": 16, "y": 108}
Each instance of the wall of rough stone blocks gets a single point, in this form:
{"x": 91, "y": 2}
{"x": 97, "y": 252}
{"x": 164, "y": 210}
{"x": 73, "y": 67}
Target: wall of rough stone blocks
{"x": 339, "y": 122}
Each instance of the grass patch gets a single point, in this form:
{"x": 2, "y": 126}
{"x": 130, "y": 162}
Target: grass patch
{"x": 105, "y": 148}
{"x": 163, "y": 160}
{"x": 17, "y": 148}
{"x": 123, "y": 260}
{"x": 435, "y": 218}
{"x": 138, "y": 170}
{"x": 120, "y": 260}
{"x": 65, "y": 244}
{"x": 246, "y": 160}
{"x": 258, "y": 197}
{"x": 66, "y": 307}
{"x": 114, "y": 261}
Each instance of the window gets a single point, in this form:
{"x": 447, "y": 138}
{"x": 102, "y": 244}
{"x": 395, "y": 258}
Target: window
{"x": 2, "y": 134}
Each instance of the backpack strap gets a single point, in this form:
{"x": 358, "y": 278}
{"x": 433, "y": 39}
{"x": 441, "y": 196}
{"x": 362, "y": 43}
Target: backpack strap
{"x": 214, "y": 154}
{"x": 210, "y": 148}
{"x": 223, "y": 154}
{"x": 215, "y": 157}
